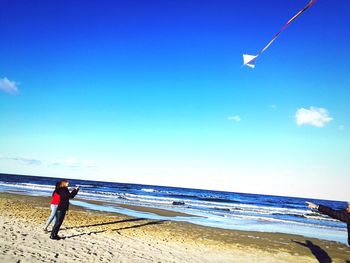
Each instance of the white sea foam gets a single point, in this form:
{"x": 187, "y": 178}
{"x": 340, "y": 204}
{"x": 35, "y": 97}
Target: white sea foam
{"x": 236, "y": 209}
{"x": 211, "y": 208}
{"x": 29, "y": 186}
{"x": 149, "y": 190}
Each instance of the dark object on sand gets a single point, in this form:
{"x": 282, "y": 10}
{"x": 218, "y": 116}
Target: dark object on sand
{"x": 320, "y": 254}
{"x": 178, "y": 203}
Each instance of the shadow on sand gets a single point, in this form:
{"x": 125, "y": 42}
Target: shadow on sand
{"x": 321, "y": 255}
{"x": 106, "y": 223}
{"x": 117, "y": 229}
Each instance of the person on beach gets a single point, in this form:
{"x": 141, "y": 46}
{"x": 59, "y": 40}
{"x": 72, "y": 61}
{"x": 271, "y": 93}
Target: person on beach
{"x": 54, "y": 204}
{"x": 63, "y": 206}
{"x": 342, "y": 215}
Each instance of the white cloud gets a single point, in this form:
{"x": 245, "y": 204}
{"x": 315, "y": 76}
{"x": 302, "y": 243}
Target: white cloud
{"x": 8, "y": 86}
{"x": 273, "y": 106}
{"x": 314, "y": 116}
{"x": 235, "y": 118}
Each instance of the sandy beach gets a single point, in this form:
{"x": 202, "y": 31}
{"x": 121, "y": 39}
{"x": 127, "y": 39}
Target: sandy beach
{"x": 91, "y": 236}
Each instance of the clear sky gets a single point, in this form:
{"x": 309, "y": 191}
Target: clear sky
{"x": 153, "y": 92}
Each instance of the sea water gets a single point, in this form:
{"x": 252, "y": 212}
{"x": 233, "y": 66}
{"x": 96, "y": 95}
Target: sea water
{"x": 228, "y": 210}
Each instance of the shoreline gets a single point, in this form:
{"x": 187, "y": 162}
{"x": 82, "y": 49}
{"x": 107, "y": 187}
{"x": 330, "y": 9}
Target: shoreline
{"x": 286, "y": 215}
{"x": 143, "y": 240}
{"x": 152, "y": 210}
{"x": 173, "y": 214}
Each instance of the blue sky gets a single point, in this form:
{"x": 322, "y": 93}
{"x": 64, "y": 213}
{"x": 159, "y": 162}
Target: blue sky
{"x": 153, "y": 92}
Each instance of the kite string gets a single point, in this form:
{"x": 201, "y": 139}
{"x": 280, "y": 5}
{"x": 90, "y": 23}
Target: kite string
{"x": 285, "y": 26}
{"x": 299, "y": 13}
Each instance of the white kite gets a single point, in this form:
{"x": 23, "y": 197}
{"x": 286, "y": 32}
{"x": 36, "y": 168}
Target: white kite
{"x": 249, "y": 60}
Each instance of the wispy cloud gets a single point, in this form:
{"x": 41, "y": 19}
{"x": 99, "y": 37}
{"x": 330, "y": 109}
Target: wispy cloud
{"x": 89, "y": 164}
{"x": 73, "y": 162}
{"x": 235, "y": 118}
{"x": 8, "y": 86}
{"x": 70, "y": 162}
{"x": 272, "y": 106}
{"x": 313, "y": 116}
{"x": 341, "y": 127}
{"x": 23, "y": 160}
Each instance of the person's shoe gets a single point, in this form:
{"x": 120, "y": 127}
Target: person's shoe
{"x": 55, "y": 237}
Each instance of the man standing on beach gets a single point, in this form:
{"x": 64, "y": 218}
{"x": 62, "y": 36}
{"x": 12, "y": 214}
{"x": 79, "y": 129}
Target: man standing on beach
{"x": 342, "y": 215}
{"x": 63, "y": 206}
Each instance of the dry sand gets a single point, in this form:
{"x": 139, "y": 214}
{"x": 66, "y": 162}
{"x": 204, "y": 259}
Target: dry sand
{"x": 92, "y": 236}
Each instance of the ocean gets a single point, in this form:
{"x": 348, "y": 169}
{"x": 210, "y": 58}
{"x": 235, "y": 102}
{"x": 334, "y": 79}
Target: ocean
{"x": 228, "y": 210}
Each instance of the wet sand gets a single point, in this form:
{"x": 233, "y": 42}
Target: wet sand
{"x": 94, "y": 236}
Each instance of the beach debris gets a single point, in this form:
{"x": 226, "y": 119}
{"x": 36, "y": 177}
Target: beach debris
{"x": 178, "y": 203}
{"x": 249, "y": 60}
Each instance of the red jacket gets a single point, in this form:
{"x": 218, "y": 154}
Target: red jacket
{"x": 55, "y": 199}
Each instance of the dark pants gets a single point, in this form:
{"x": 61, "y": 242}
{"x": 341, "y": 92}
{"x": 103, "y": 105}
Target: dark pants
{"x": 59, "y": 220}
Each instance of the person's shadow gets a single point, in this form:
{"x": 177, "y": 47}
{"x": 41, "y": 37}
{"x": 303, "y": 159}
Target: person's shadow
{"x": 321, "y": 255}
{"x": 105, "y": 223}
{"x": 117, "y": 229}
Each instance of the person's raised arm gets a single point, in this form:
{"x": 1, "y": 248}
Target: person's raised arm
{"x": 341, "y": 215}
{"x": 74, "y": 192}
